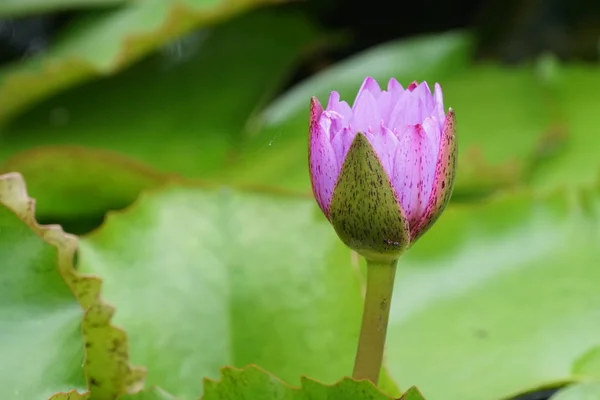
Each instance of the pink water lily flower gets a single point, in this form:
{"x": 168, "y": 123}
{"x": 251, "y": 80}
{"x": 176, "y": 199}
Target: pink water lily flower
{"x": 382, "y": 170}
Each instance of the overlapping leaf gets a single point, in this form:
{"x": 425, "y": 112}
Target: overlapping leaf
{"x": 103, "y": 42}
{"x": 588, "y": 365}
{"x": 584, "y": 391}
{"x": 255, "y": 384}
{"x": 149, "y": 393}
{"x": 183, "y": 113}
{"x": 14, "y": 8}
{"x": 575, "y": 140}
{"x": 40, "y": 338}
{"x": 207, "y": 278}
{"x": 507, "y": 286}
{"x": 72, "y": 395}
{"x": 43, "y": 306}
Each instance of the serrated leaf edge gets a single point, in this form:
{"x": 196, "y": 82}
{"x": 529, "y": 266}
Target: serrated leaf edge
{"x": 70, "y": 395}
{"x": 224, "y": 371}
{"x": 86, "y": 288}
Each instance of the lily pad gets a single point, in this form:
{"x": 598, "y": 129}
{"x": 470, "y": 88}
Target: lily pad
{"x": 503, "y": 117}
{"x": 45, "y": 307}
{"x": 588, "y": 365}
{"x": 253, "y": 383}
{"x": 182, "y": 114}
{"x": 412, "y": 394}
{"x": 583, "y": 391}
{"x": 208, "y": 278}
{"x": 499, "y": 298}
{"x": 40, "y": 335}
{"x": 17, "y": 8}
{"x": 91, "y": 180}
{"x": 72, "y": 395}
{"x": 103, "y": 42}
{"x": 150, "y": 393}
{"x": 576, "y": 163}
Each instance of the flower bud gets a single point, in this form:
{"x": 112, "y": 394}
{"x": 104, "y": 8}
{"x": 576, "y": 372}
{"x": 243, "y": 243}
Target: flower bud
{"x": 382, "y": 171}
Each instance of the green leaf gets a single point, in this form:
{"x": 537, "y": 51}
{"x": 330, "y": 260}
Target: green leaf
{"x": 152, "y": 393}
{"x": 511, "y": 284}
{"x": 276, "y": 153}
{"x": 253, "y": 383}
{"x": 588, "y": 365}
{"x": 107, "y": 357}
{"x": 183, "y": 115}
{"x": 498, "y": 138}
{"x": 14, "y": 8}
{"x": 92, "y": 180}
{"x": 44, "y": 308}
{"x": 583, "y": 391}
{"x": 574, "y": 142}
{"x": 207, "y": 278}
{"x": 104, "y": 42}
{"x": 72, "y": 395}
{"x": 40, "y": 334}
{"x": 412, "y": 394}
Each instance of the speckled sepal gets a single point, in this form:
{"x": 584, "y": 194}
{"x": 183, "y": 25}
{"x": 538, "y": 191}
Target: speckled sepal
{"x": 443, "y": 181}
{"x": 364, "y": 210}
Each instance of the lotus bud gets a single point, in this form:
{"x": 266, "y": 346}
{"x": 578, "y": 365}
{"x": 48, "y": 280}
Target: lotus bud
{"x": 382, "y": 171}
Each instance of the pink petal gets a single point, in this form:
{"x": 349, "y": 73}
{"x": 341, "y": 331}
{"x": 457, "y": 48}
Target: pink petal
{"x": 322, "y": 161}
{"x": 412, "y": 107}
{"x": 443, "y": 181}
{"x": 395, "y": 88}
{"x": 334, "y": 100}
{"x": 413, "y": 168}
{"x": 433, "y": 130}
{"x": 425, "y": 98}
{"x": 345, "y": 110}
{"x": 334, "y": 122}
{"x": 366, "y": 114}
{"x": 384, "y": 143}
{"x": 341, "y": 143}
{"x": 338, "y": 106}
{"x": 384, "y": 105}
{"x": 438, "y": 98}
{"x": 369, "y": 85}
{"x": 406, "y": 112}
{"x": 339, "y": 112}
{"x": 424, "y": 89}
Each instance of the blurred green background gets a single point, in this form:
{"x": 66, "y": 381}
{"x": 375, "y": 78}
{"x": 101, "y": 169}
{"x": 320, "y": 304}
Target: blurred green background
{"x": 196, "y": 112}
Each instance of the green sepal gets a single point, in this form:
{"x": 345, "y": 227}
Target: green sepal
{"x": 364, "y": 210}
{"x": 412, "y": 394}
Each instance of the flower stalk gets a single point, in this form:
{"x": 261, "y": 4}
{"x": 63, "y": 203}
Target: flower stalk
{"x": 378, "y": 299}
{"x": 382, "y": 172}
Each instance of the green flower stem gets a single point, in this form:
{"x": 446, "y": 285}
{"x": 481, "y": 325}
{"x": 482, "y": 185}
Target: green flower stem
{"x": 380, "y": 285}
